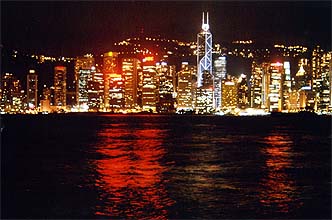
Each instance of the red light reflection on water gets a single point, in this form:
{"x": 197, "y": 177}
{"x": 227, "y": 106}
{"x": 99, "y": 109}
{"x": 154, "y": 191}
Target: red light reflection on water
{"x": 131, "y": 176}
{"x": 278, "y": 188}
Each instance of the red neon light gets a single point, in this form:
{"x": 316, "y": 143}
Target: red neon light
{"x": 61, "y": 68}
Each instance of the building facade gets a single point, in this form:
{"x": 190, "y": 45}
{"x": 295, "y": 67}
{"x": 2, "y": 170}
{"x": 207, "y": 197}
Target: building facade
{"x": 32, "y": 89}
{"x": 60, "y": 87}
{"x": 185, "y": 88}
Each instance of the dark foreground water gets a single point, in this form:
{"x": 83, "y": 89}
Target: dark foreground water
{"x": 158, "y": 167}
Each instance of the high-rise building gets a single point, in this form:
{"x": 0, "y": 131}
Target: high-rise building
{"x": 330, "y": 79}
{"x": 11, "y": 94}
{"x": 219, "y": 75}
{"x": 259, "y": 85}
{"x": 45, "y": 102}
{"x": 32, "y": 87}
{"x": 287, "y": 86}
{"x": 204, "y": 95}
{"x": 323, "y": 83}
{"x": 165, "y": 86}
{"x": 85, "y": 76}
{"x": 84, "y": 66}
{"x": 60, "y": 86}
{"x": 229, "y": 94}
{"x": 316, "y": 60}
{"x": 302, "y": 77}
{"x": 185, "y": 88}
{"x": 131, "y": 70}
{"x": 95, "y": 90}
{"x": 266, "y": 85}
{"x": 256, "y": 84}
{"x": 149, "y": 85}
{"x": 243, "y": 92}
{"x": 204, "y": 51}
{"x": 114, "y": 83}
{"x": 302, "y": 84}
{"x": 275, "y": 87}
{"x": 294, "y": 104}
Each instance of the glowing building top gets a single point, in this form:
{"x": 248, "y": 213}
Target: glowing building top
{"x": 205, "y": 26}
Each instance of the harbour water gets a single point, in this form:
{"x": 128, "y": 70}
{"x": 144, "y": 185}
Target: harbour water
{"x": 165, "y": 167}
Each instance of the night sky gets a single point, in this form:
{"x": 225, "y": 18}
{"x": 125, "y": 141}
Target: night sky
{"x": 75, "y": 28}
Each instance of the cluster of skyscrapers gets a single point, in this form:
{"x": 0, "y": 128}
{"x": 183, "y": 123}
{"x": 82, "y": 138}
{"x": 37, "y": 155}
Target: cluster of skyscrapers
{"x": 132, "y": 84}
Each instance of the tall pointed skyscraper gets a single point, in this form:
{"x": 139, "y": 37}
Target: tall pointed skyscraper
{"x": 204, "y": 50}
{"x": 204, "y": 92}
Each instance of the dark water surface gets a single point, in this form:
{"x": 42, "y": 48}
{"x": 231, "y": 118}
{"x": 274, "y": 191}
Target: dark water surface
{"x": 165, "y": 167}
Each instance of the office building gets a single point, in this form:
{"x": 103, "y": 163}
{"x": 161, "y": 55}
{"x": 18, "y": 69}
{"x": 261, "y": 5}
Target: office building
{"x": 204, "y": 90}
{"x": 303, "y": 77}
{"x": 60, "y": 87}
{"x": 229, "y": 94}
{"x": 131, "y": 71}
{"x": 165, "y": 85}
{"x": 11, "y": 94}
{"x": 114, "y": 83}
{"x": 256, "y": 85}
{"x": 32, "y": 88}
{"x": 243, "y": 92}
{"x": 204, "y": 95}
{"x": 96, "y": 90}
{"x": 219, "y": 75}
{"x": 204, "y": 51}
{"x": 149, "y": 85}
{"x": 84, "y": 66}
{"x": 275, "y": 87}
{"x": 185, "y": 88}
{"x": 323, "y": 83}
{"x": 286, "y": 86}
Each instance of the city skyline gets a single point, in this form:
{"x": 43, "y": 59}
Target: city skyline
{"x": 143, "y": 73}
{"x": 75, "y": 28}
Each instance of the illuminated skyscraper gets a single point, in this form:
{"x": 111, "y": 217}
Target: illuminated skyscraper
{"x": 185, "y": 88}
{"x": 287, "y": 84}
{"x": 204, "y": 51}
{"x": 32, "y": 86}
{"x": 11, "y": 94}
{"x": 321, "y": 78}
{"x": 229, "y": 94}
{"x": 302, "y": 77}
{"x": 259, "y": 85}
{"x": 275, "y": 87}
{"x": 256, "y": 84}
{"x": 330, "y": 80}
{"x": 316, "y": 66}
{"x": 302, "y": 85}
{"x": 131, "y": 70}
{"x": 114, "y": 83}
{"x": 265, "y": 85}
{"x": 165, "y": 85}
{"x": 243, "y": 92}
{"x": 45, "y": 102}
{"x": 219, "y": 75}
{"x": 204, "y": 95}
{"x": 96, "y": 90}
{"x": 83, "y": 74}
{"x": 323, "y": 84}
{"x": 60, "y": 86}
{"x": 149, "y": 85}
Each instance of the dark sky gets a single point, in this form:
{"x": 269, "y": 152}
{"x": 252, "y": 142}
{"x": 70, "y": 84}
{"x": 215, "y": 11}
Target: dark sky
{"x": 74, "y": 28}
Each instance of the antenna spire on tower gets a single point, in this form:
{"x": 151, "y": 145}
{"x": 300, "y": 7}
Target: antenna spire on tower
{"x": 205, "y": 26}
{"x": 203, "y": 18}
{"x": 207, "y": 17}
